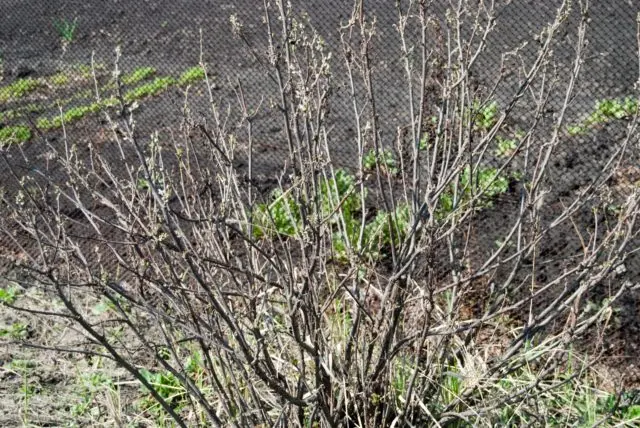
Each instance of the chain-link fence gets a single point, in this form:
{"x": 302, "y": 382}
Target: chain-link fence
{"x": 52, "y": 51}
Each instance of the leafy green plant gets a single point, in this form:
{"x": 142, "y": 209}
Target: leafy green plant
{"x": 378, "y": 232}
{"x": 485, "y": 116}
{"x": 169, "y": 387}
{"x": 340, "y": 208}
{"x": 386, "y": 159}
{"x": 59, "y": 79}
{"x": 625, "y": 406}
{"x": 166, "y": 385}
{"x": 66, "y": 29}
{"x": 484, "y": 181}
{"x": 8, "y": 295}
{"x": 69, "y": 116}
{"x": 281, "y": 216}
{"x": 89, "y": 386}
{"x": 14, "y": 134}
{"x": 506, "y": 147}
{"x": 191, "y": 75}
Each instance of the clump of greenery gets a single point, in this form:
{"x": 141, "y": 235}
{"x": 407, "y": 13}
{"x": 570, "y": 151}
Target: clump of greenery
{"x": 339, "y": 195}
{"x": 281, "y": 216}
{"x": 148, "y": 89}
{"x": 66, "y": 29}
{"x": 485, "y": 116}
{"x": 191, "y": 75}
{"x": 339, "y": 203}
{"x": 15, "y": 331}
{"x": 8, "y": 295}
{"x": 8, "y": 115}
{"x": 169, "y": 387}
{"x": 14, "y": 134}
{"x": 506, "y": 147}
{"x": 19, "y": 89}
{"x": 484, "y": 181}
{"x": 90, "y": 386}
{"x": 606, "y": 111}
{"x": 138, "y": 75}
{"x": 86, "y": 71}
{"x": 386, "y": 158}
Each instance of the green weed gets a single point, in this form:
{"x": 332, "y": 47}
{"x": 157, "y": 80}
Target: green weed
{"x": 506, "y": 147}
{"x": 69, "y": 116}
{"x": 170, "y": 388}
{"x": 59, "y": 79}
{"x": 8, "y": 295}
{"x": 485, "y": 116}
{"x": 339, "y": 202}
{"x": 90, "y": 385}
{"x": 86, "y": 71}
{"x": 484, "y": 181}
{"x": 66, "y": 29}
{"x": 281, "y": 216}
{"x": 386, "y": 160}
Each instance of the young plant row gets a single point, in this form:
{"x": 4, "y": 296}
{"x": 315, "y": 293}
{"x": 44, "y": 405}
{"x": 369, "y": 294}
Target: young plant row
{"x": 20, "y": 133}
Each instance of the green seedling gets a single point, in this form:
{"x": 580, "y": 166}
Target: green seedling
{"x": 14, "y": 135}
{"x": 89, "y": 385}
{"x": 191, "y": 75}
{"x": 506, "y": 147}
{"x": 281, "y": 216}
{"x": 66, "y": 29}
{"x": 340, "y": 209}
{"x": 86, "y": 71}
{"x": 423, "y": 144}
{"x": 138, "y": 75}
{"x": 74, "y": 114}
{"x": 8, "y": 295}
{"x": 484, "y": 181}
{"x": 386, "y": 160}
{"x": 485, "y": 115}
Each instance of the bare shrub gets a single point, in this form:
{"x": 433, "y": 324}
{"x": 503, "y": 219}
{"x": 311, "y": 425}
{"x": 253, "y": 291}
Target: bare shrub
{"x": 367, "y": 297}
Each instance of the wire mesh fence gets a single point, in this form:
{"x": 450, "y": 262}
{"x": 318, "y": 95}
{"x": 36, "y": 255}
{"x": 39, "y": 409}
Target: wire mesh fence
{"x": 58, "y": 60}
